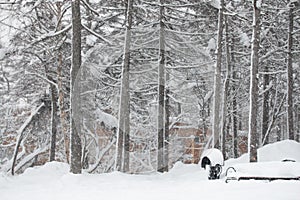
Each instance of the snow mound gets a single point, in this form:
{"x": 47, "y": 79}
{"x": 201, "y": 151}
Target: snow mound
{"x": 183, "y": 172}
{"x": 279, "y": 151}
{"x": 267, "y": 169}
{"x": 287, "y": 149}
{"x": 270, "y": 161}
{"x": 49, "y": 170}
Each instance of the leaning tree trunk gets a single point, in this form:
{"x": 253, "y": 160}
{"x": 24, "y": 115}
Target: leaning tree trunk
{"x": 290, "y": 118}
{"x": 20, "y": 135}
{"x": 253, "y": 136}
{"x": 75, "y": 146}
{"x": 217, "y": 80}
{"x": 122, "y": 151}
{"x": 161, "y": 92}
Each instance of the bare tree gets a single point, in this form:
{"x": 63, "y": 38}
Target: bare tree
{"x": 226, "y": 88}
{"x": 290, "y": 118}
{"x": 217, "y": 80}
{"x": 75, "y": 140}
{"x": 122, "y": 157}
{"x": 61, "y": 96}
{"x": 253, "y": 136}
{"x": 167, "y": 129}
{"x": 161, "y": 91}
{"x": 265, "y": 106}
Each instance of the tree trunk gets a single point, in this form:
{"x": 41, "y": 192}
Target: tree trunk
{"x": 217, "y": 80}
{"x": 265, "y": 108}
{"x": 297, "y": 137}
{"x": 62, "y": 109}
{"x": 225, "y": 90}
{"x": 234, "y": 124}
{"x": 20, "y": 135}
{"x": 76, "y": 149}
{"x": 123, "y": 141}
{"x": 167, "y": 131}
{"x": 54, "y": 122}
{"x": 290, "y": 118}
{"x": 253, "y": 136}
{"x": 234, "y": 104}
{"x": 161, "y": 92}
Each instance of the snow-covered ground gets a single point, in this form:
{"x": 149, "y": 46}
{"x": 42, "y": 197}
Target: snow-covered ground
{"x": 52, "y": 181}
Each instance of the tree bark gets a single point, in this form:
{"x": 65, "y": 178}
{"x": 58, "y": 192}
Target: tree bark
{"x": 253, "y": 136}
{"x": 265, "y": 107}
{"x": 290, "y": 117}
{"x": 161, "y": 92}
{"x": 234, "y": 124}
{"x": 217, "y": 80}
{"x": 234, "y": 103}
{"x": 167, "y": 131}
{"x": 123, "y": 140}
{"x": 225, "y": 90}
{"x": 75, "y": 146}
{"x": 54, "y": 122}
{"x": 62, "y": 109}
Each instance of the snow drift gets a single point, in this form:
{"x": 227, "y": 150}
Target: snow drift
{"x": 53, "y": 181}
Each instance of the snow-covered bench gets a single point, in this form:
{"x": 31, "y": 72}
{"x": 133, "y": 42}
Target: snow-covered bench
{"x": 269, "y": 171}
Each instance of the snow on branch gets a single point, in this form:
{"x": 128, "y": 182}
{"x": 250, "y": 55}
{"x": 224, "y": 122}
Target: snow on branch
{"x": 101, "y": 154}
{"x": 31, "y": 156}
{"x": 20, "y": 134}
{"x": 90, "y": 7}
{"x": 50, "y": 35}
{"x": 42, "y": 77}
{"x": 272, "y": 73}
{"x": 187, "y": 33}
{"x": 96, "y": 34}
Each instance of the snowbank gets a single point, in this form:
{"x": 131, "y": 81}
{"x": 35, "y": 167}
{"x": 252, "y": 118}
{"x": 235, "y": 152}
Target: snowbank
{"x": 53, "y": 181}
{"x": 286, "y": 149}
{"x": 270, "y": 161}
{"x": 268, "y": 169}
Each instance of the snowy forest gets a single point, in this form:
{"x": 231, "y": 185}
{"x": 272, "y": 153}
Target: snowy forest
{"x": 137, "y": 85}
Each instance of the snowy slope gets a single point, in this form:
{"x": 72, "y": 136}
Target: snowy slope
{"x": 52, "y": 181}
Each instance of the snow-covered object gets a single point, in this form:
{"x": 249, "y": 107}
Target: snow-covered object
{"x": 266, "y": 169}
{"x": 287, "y": 149}
{"x": 212, "y": 44}
{"x": 215, "y": 3}
{"x": 2, "y": 53}
{"x": 109, "y": 120}
{"x": 245, "y": 40}
{"x": 215, "y": 156}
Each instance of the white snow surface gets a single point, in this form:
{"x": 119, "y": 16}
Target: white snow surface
{"x": 53, "y": 181}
